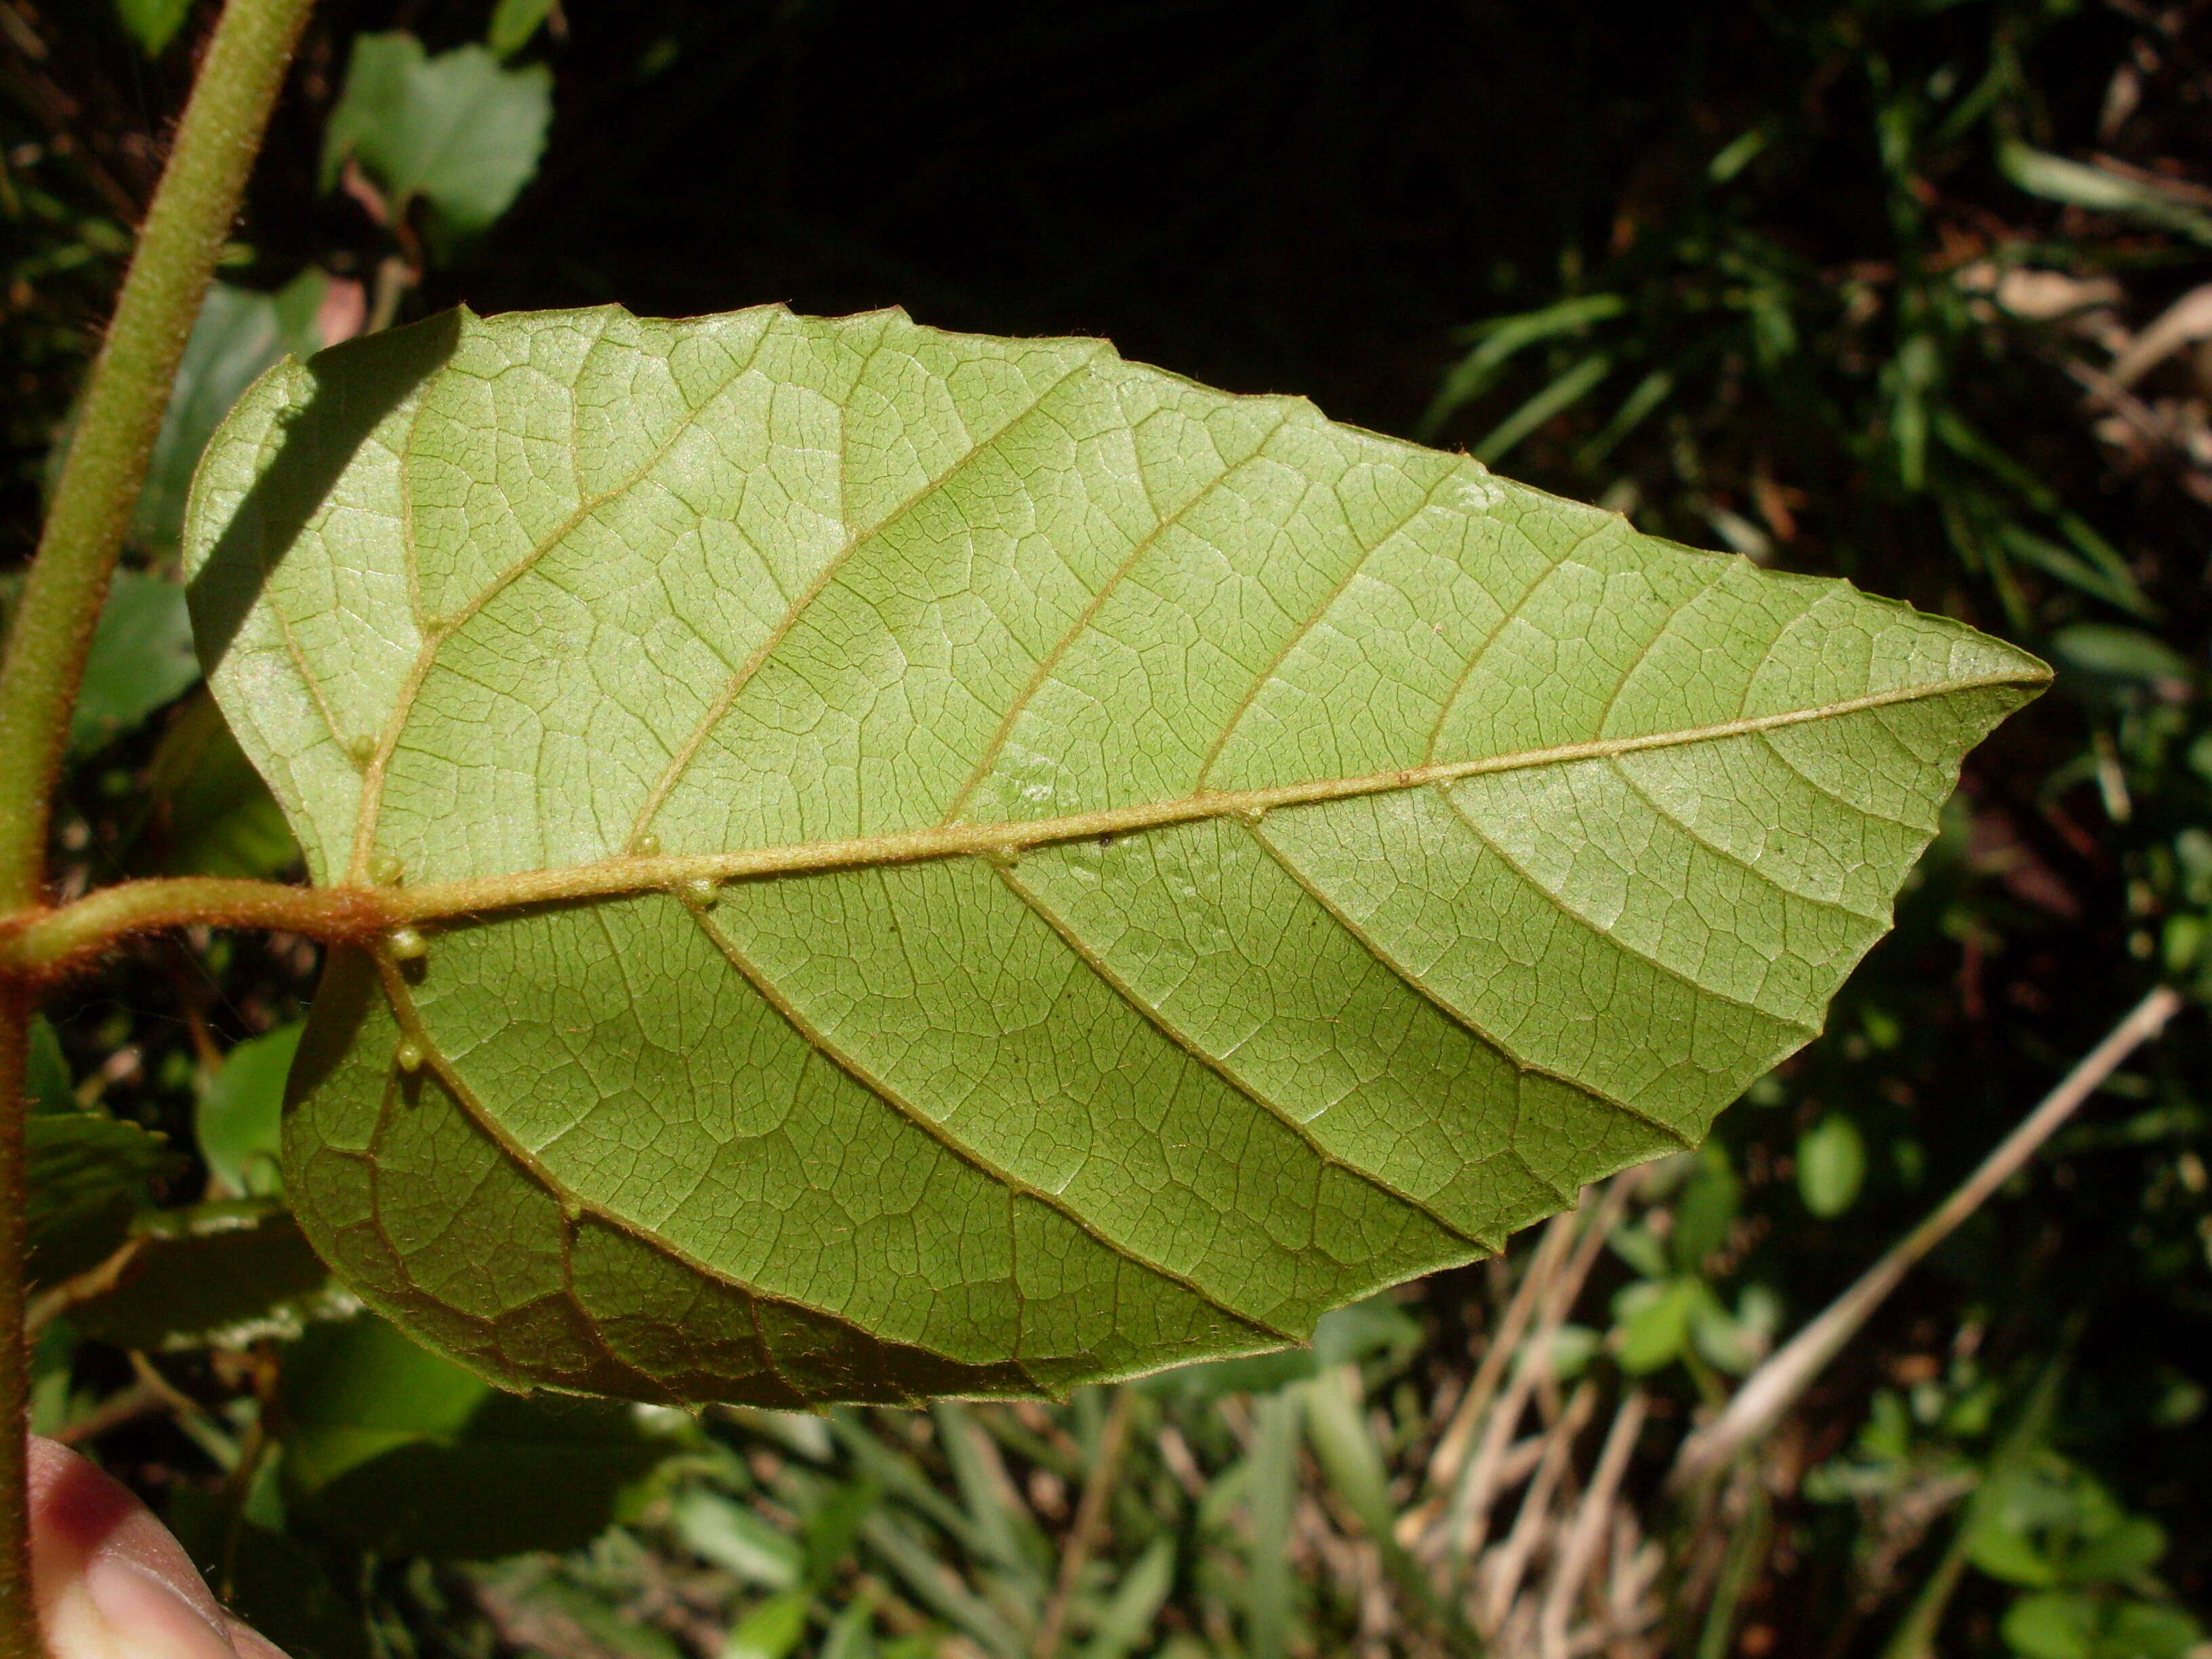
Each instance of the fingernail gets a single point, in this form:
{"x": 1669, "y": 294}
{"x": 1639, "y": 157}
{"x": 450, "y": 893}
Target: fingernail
{"x": 125, "y": 1612}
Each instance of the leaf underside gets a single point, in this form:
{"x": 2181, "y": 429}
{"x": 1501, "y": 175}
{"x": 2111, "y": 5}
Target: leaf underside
{"x": 548, "y": 591}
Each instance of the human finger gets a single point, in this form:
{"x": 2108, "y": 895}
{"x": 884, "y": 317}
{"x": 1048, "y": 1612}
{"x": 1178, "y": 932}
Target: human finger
{"x": 110, "y": 1580}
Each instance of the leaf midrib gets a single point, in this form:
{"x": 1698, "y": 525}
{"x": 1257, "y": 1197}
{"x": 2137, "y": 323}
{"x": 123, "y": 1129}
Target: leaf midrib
{"x": 614, "y": 878}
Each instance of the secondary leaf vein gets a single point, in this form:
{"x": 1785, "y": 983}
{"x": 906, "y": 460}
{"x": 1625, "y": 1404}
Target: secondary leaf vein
{"x": 850, "y": 1065}
{"x": 1158, "y": 1020}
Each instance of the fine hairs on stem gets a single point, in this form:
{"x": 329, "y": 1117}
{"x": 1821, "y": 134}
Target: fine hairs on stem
{"x": 125, "y": 399}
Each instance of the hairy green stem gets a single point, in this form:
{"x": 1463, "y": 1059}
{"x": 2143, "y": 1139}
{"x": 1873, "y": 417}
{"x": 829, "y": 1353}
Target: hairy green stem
{"x": 216, "y": 145}
{"x": 19, "y": 1623}
{"x": 47, "y": 945}
{"x": 123, "y": 401}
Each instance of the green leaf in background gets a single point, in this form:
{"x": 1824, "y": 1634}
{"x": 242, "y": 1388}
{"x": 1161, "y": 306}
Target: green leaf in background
{"x": 1653, "y": 1319}
{"x": 1641, "y": 1247}
{"x": 1500, "y": 338}
{"x": 1735, "y": 1342}
{"x": 1223, "y": 863}
{"x": 1125, "y": 1625}
{"x": 1710, "y": 1200}
{"x": 2131, "y": 1547}
{"x": 1830, "y": 1165}
{"x": 141, "y": 658}
{"x": 2045, "y": 1524}
{"x": 220, "y": 1275}
{"x": 2009, "y": 1554}
{"x": 2106, "y": 651}
{"x": 239, "y": 333}
{"x": 238, "y": 1123}
{"x": 852, "y": 1632}
{"x": 2151, "y": 1630}
{"x": 2055, "y": 179}
{"x": 458, "y": 130}
{"x": 47, "y": 1085}
{"x": 153, "y": 23}
{"x": 2070, "y": 1624}
{"x": 832, "y": 1525}
{"x": 718, "y": 1528}
{"x": 212, "y": 815}
{"x": 2054, "y": 1624}
{"x": 89, "y": 1175}
{"x": 391, "y": 1446}
{"x": 278, "y": 1584}
{"x": 282, "y": 1585}
{"x": 1343, "y": 1336}
{"x": 772, "y": 1629}
{"x": 513, "y": 22}
{"x": 2113, "y": 583}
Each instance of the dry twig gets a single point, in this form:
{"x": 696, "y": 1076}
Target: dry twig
{"x": 1775, "y": 1386}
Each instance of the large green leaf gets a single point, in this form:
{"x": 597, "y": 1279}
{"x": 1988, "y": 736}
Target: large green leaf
{"x": 220, "y": 1275}
{"x": 88, "y": 1176}
{"x": 208, "y": 812}
{"x": 86, "y": 1173}
{"x": 966, "y": 865}
{"x": 391, "y": 1446}
{"x": 238, "y": 1122}
{"x": 141, "y": 658}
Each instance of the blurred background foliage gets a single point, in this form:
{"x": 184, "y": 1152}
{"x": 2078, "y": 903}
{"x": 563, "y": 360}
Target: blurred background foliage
{"x": 1917, "y": 292}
